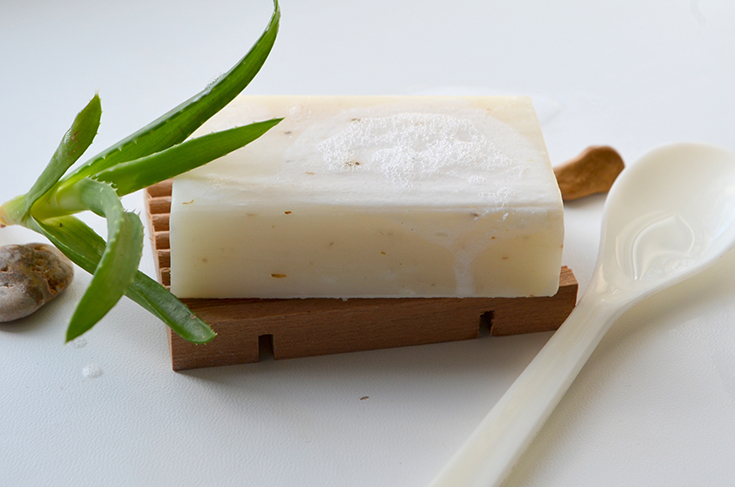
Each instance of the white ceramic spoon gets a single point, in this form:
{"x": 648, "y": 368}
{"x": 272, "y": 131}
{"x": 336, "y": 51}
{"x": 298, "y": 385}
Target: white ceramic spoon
{"x": 668, "y": 216}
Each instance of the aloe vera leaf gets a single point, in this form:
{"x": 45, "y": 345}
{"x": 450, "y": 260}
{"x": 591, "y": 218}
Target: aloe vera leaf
{"x": 84, "y": 247}
{"x": 131, "y": 176}
{"x": 159, "y": 301}
{"x": 90, "y": 250}
{"x": 74, "y": 143}
{"x": 115, "y": 272}
{"x": 177, "y": 124}
{"x": 118, "y": 265}
{"x": 74, "y": 238}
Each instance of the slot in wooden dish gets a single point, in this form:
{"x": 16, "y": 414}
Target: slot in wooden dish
{"x": 289, "y": 328}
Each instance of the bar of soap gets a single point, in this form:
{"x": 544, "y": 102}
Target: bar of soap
{"x": 372, "y": 197}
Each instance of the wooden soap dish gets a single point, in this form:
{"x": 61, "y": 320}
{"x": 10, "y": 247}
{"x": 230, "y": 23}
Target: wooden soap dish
{"x": 288, "y": 328}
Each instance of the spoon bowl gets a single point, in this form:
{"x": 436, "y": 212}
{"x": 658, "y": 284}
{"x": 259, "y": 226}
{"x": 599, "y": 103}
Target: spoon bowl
{"x": 667, "y": 217}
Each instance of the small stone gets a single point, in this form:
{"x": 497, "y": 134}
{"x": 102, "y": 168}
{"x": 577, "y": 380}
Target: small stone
{"x": 593, "y": 171}
{"x": 31, "y": 275}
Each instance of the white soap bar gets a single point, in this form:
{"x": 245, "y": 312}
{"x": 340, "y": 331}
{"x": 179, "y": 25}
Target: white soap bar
{"x": 372, "y": 197}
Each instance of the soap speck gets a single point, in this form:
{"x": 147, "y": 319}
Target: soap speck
{"x": 92, "y": 371}
{"x": 78, "y": 342}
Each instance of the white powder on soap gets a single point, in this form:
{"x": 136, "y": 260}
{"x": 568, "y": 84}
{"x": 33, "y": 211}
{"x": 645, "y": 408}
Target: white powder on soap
{"x": 410, "y": 147}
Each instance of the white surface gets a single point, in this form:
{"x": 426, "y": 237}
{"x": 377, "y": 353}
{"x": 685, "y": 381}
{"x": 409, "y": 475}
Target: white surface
{"x": 365, "y": 196}
{"x": 653, "y": 406}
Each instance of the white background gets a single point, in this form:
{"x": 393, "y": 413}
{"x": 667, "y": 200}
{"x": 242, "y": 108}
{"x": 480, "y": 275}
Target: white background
{"x": 654, "y": 406}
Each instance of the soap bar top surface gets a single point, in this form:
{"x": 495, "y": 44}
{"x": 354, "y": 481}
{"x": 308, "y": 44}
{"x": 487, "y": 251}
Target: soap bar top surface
{"x": 372, "y": 197}
{"x": 385, "y": 151}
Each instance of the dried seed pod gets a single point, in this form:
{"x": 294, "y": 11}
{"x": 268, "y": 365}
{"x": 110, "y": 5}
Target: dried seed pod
{"x": 31, "y": 275}
{"x": 593, "y": 171}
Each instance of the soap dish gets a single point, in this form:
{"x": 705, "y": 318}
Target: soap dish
{"x": 290, "y": 328}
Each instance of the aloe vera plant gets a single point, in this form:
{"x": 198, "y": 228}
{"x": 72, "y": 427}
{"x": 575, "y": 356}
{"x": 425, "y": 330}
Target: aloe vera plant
{"x": 154, "y": 153}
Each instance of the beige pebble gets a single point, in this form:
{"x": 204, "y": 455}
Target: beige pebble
{"x": 31, "y": 275}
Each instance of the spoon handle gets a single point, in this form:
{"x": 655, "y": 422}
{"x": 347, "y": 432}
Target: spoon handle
{"x": 492, "y": 450}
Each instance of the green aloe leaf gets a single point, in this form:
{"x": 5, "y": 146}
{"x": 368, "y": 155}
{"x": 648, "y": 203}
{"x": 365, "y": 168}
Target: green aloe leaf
{"x": 131, "y": 176}
{"x": 153, "y": 153}
{"x": 178, "y": 124}
{"x": 84, "y": 247}
{"x": 74, "y": 143}
{"x": 119, "y": 262}
{"x": 159, "y": 301}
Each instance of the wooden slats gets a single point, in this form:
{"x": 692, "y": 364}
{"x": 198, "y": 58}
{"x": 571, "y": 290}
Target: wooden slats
{"x": 158, "y": 203}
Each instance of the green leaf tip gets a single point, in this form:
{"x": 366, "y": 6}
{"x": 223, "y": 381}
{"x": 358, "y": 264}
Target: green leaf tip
{"x": 73, "y": 144}
{"x": 156, "y": 152}
{"x": 177, "y": 124}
